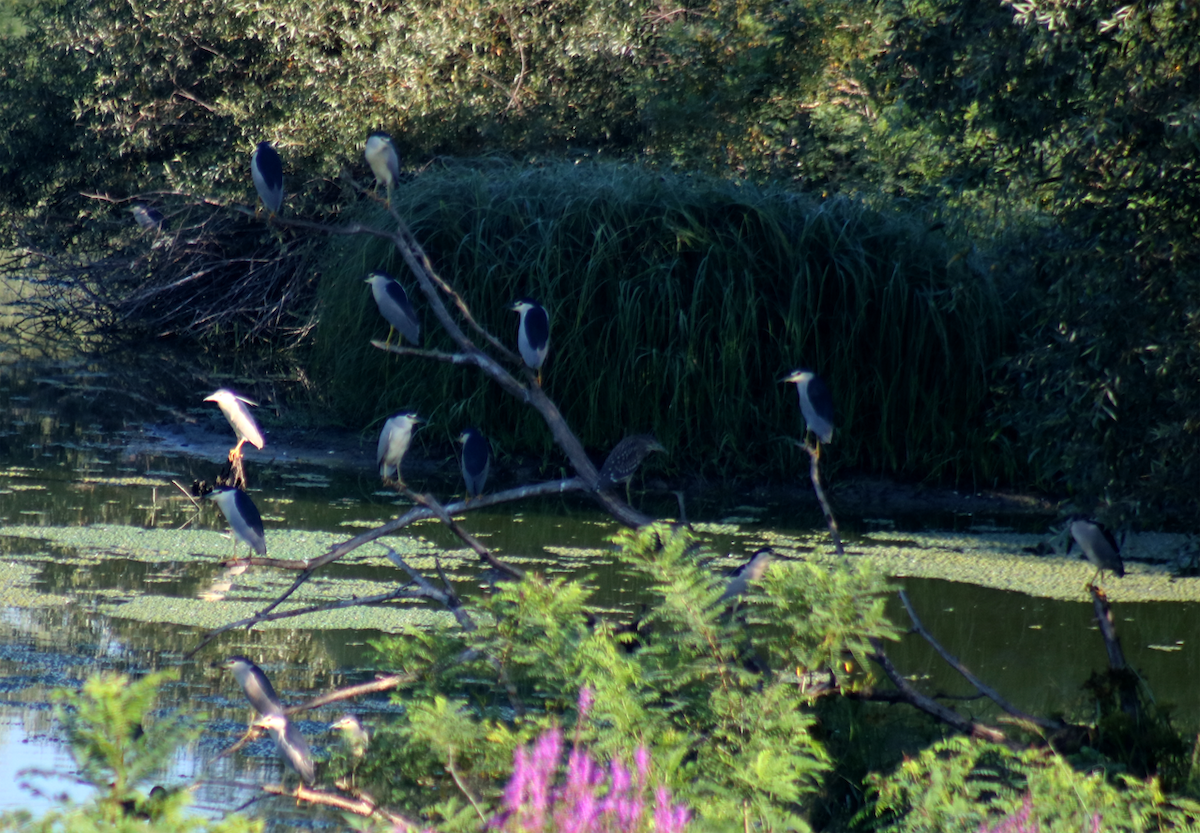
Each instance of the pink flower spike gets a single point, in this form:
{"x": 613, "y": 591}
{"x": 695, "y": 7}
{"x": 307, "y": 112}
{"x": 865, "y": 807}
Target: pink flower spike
{"x": 586, "y": 699}
{"x": 641, "y": 759}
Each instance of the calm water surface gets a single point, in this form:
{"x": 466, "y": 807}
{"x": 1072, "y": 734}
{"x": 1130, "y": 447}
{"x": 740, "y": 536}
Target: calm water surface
{"x": 72, "y": 454}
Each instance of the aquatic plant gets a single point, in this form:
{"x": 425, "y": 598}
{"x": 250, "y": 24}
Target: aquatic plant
{"x": 678, "y": 304}
{"x": 119, "y": 744}
{"x": 963, "y": 784}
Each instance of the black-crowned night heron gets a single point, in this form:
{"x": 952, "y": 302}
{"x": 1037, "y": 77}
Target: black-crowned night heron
{"x": 254, "y": 682}
{"x": 146, "y": 216}
{"x": 243, "y": 518}
{"x": 355, "y": 738}
{"x": 1099, "y": 547}
{"x": 476, "y": 461}
{"x": 267, "y": 170}
{"x": 292, "y": 746}
{"x": 533, "y": 334}
{"x": 233, "y": 405}
{"x": 393, "y": 443}
{"x": 394, "y": 306}
{"x": 384, "y": 160}
{"x": 752, "y": 570}
{"x": 816, "y": 403}
{"x": 624, "y": 459}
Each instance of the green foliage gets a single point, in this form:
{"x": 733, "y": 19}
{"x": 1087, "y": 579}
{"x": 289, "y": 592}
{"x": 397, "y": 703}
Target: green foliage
{"x": 960, "y": 783}
{"x": 730, "y": 735}
{"x": 827, "y": 616}
{"x": 677, "y": 304}
{"x": 1084, "y": 118}
{"x": 118, "y": 747}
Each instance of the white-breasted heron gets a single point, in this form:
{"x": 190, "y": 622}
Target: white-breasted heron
{"x": 147, "y": 217}
{"x": 476, "y": 461}
{"x": 625, "y": 458}
{"x": 243, "y": 518}
{"x": 384, "y": 160}
{"x": 394, "y": 306}
{"x": 233, "y": 405}
{"x": 816, "y": 403}
{"x": 533, "y": 334}
{"x": 752, "y": 570}
{"x": 266, "y": 168}
{"x": 394, "y": 440}
{"x": 1099, "y": 547}
{"x": 254, "y": 682}
{"x": 355, "y": 738}
{"x": 292, "y": 746}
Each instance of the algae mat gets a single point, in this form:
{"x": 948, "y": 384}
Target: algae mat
{"x": 1009, "y": 561}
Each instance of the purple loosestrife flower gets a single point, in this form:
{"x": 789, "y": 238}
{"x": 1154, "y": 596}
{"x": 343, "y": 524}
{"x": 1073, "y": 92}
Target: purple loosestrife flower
{"x": 669, "y": 818}
{"x": 1018, "y": 822}
{"x": 532, "y": 804}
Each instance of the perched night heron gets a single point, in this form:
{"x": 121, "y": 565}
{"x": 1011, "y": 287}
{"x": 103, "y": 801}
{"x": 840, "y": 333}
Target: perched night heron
{"x": 816, "y": 403}
{"x": 394, "y": 305}
{"x": 292, "y": 746}
{"x": 234, "y": 407}
{"x": 383, "y": 159}
{"x": 624, "y": 460}
{"x": 267, "y": 170}
{"x": 751, "y": 570}
{"x": 1098, "y": 545}
{"x": 355, "y": 738}
{"x": 476, "y": 461}
{"x": 393, "y": 443}
{"x": 533, "y": 334}
{"x": 147, "y": 217}
{"x": 243, "y": 518}
{"x": 254, "y": 682}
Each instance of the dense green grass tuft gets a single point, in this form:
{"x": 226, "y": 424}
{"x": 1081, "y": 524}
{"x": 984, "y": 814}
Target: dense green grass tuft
{"x": 677, "y": 304}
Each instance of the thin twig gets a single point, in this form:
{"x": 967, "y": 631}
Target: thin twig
{"x": 458, "y": 782}
{"x": 447, "y": 599}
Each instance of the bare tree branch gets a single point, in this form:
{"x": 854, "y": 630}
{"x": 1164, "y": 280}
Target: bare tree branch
{"x": 985, "y": 690}
{"x": 931, "y": 707}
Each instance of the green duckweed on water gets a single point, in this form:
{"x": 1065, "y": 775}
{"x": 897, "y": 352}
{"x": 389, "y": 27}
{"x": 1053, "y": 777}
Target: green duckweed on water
{"x": 1007, "y": 561}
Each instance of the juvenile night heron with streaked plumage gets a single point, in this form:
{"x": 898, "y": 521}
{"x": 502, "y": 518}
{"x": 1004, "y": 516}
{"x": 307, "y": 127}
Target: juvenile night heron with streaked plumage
{"x": 533, "y": 334}
{"x": 625, "y": 458}
{"x": 1099, "y": 547}
{"x": 816, "y": 403}
{"x": 292, "y": 746}
{"x": 476, "y": 461}
{"x": 394, "y": 440}
{"x": 243, "y": 517}
{"x": 394, "y": 306}
{"x": 254, "y": 682}
{"x": 384, "y": 160}
{"x": 233, "y": 406}
{"x": 266, "y": 169}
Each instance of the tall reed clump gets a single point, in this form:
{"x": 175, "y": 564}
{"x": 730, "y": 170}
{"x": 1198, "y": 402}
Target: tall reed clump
{"x": 677, "y": 304}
